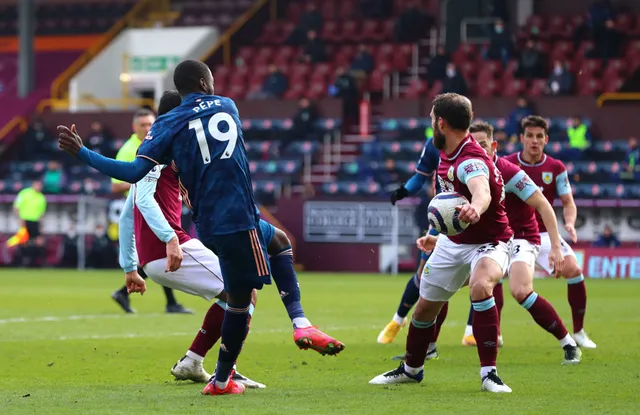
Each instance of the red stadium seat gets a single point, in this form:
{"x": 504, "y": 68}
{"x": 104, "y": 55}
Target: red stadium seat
{"x": 317, "y": 90}
{"x": 285, "y": 31}
{"x": 344, "y": 55}
{"x": 371, "y": 31}
{"x": 247, "y": 53}
{"x": 376, "y": 80}
{"x": 435, "y": 89}
{"x": 386, "y": 31}
{"x": 538, "y": 87}
{"x": 488, "y": 89}
{"x": 557, "y": 26}
{"x": 585, "y": 47}
{"x": 296, "y": 91}
{"x": 270, "y": 33}
{"x": 346, "y": 9}
{"x": 591, "y": 67}
{"x": 537, "y": 21}
{"x": 612, "y": 84}
{"x": 332, "y": 32}
{"x": 468, "y": 69}
{"x": 590, "y": 86}
{"x": 415, "y": 89}
{"x": 327, "y": 9}
{"x": 299, "y": 71}
{"x": 513, "y": 87}
{"x": 561, "y": 49}
{"x": 351, "y": 31}
{"x": 625, "y": 21}
{"x": 616, "y": 67}
{"x": 511, "y": 69}
{"x": 633, "y": 49}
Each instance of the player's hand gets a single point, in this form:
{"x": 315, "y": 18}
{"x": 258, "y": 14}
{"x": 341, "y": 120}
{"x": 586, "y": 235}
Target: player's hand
{"x": 556, "y": 261}
{"x": 174, "y": 255}
{"x": 572, "y": 233}
{"x": 468, "y": 213}
{"x": 399, "y": 194}
{"x": 69, "y": 140}
{"x": 135, "y": 283}
{"x": 426, "y": 243}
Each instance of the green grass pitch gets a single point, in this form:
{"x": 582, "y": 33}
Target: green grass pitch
{"x": 65, "y": 348}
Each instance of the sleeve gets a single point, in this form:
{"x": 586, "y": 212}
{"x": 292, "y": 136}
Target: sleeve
{"x": 120, "y": 156}
{"x": 429, "y": 159}
{"x": 126, "y": 237}
{"x": 563, "y": 186}
{"x": 471, "y": 168}
{"x": 149, "y": 208}
{"x": 157, "y": 144}
{"x": 521, "y": 185}
{"x": 130, "y": 172}
{"x": 415, "y": 183}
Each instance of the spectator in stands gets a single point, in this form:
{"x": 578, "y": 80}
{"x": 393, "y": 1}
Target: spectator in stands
{"x": 437, "y": 67}
{"x": 599, "y": 13}
{"x": 311, "y": 20}
{"x": 30, "y": 206}
{"x": 363, "y": 61}
{"x": 500, "y": 45}
{"x": 376, "y": 9}
{"x": 345, "y": 87}
{"x": 314, "y": 50}
{"x": 513, "y": 127}
{"x": 37, "y": 142}
{"x": 53, "y": 178}
{"x": 103, "y": 253}
{"x": 607, "y": 42}
{"x": 561, "y": 80}
{"x": 412, "y": 25}
{"x": 607, "y": 239}
{"x": 303, "y": 124}
{"x": 531, "y": 63}
{"x": 578, "y": 134}
{"x": 632, "y": 161}
{"x": 274, "y": 85}
{"x": 453, "y": 81}
{"x": 98, "y": 138}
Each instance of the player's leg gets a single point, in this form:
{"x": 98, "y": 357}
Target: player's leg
{"x": 445, "y": 272}
{"x": 467, "y": 338}
{"x": 409, "y": 298}
{"x": 243, "y": 260}
{"x": 576, "y": 289}
{"x": 305, "y": 335}
{"x": 487, "y": 269}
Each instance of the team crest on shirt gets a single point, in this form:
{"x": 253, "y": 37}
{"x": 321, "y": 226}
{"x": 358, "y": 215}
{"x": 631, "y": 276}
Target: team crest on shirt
{"x": 547, "y": 177}
{"x": 427, "y": 269}
{"x": 450, "y": 173}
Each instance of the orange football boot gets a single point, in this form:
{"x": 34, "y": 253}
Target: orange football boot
{"x": 312, "y": 338}
{"x": 232, "y": 388}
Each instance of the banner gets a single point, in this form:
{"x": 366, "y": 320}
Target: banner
{"x": 359, "y": 222}
{"x": 610, "y": 262}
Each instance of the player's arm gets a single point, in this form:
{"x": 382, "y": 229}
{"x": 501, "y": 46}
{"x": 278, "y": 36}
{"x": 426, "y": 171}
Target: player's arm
{"x": 569, "y": 209}
{"x": 128, "y": 255}
{"x": 18, "y": 202}
{"x": 427, "y": 164}
{"x": 146, "y": 202}
{"x": 474, "y": 173}
{"x": 522, "y": 186}
{"x": 118, "y": 186}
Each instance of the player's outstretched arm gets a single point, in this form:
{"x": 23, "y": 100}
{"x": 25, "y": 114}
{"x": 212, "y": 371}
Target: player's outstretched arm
{"x": 480, "y": 199}
{"x": 70, "y": 141}
{"x": 126, "y": 237}
{"x": 150, "y": 210}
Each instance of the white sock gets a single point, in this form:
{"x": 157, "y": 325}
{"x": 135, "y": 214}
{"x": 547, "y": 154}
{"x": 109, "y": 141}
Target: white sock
{"x": 194, "y": 356}
{"x": 301, "y": 322}
{"x": 399, "y": 320}
{"x": 484, "y": 371}
{"x": 431, "y": 347}
{"x": 222, "y": 385}
{"x": 413, "y": 370}
{"x": 567, "y": 340}
{"x": 468, "y": 331}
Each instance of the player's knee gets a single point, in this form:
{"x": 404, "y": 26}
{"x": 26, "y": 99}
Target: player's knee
{"x": 426, "y": 311}
{"x": 520, "y": 292}
{"x": 480, "y": 288}
{"x": 279, "y": 242}
{"x": 571, "y": 271}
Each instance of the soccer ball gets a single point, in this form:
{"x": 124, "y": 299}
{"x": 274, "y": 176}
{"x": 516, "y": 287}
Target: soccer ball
{"x": 443, "y": 215}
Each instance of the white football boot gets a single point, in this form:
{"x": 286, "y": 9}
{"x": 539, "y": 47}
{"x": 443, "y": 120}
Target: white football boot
{"x": 492, "y": 383}
{"x": 583, "y": 340}
{"x": 399, "y": 375}
{"x": 190, "y": 369}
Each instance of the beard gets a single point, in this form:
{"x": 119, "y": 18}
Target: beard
{"x": 439, "y": 140}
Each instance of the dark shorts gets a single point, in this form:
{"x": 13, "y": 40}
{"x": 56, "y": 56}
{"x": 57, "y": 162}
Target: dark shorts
{"x": 243, "y": 260}
{"x": 33, "y": 228}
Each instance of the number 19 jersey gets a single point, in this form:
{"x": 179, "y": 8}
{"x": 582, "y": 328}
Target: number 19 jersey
{"x": 203, "y": 137}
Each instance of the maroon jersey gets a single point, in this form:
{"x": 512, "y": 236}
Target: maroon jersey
{"x": 549, "y": 174}
{"x": 469, "y": 160}
{"x": 519, "y": 187}
{"x": 167, "y": 195}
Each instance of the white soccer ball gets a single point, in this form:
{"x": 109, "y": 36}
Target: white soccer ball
{"x": 443, "y": 215}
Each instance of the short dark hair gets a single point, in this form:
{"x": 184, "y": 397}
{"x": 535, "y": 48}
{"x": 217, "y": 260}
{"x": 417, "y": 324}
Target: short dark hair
{"x": 142, "y": 112}
{"x": 482, "y": 127}
{"x": 535, "y": 121}
{"x": 455, "y": 109}
{"x": 187, "y": 75}
{"x": 170, "y": 100}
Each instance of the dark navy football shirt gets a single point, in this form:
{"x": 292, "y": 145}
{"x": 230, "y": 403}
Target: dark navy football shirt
{"x": 203, "y": 137}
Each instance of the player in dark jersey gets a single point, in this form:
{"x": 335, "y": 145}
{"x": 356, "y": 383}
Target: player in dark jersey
{"x": 427, "y": 164}
{"x": 551, "y": 177}
{"x": 203, "y": 137}
{"x": 482, "y": 249}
